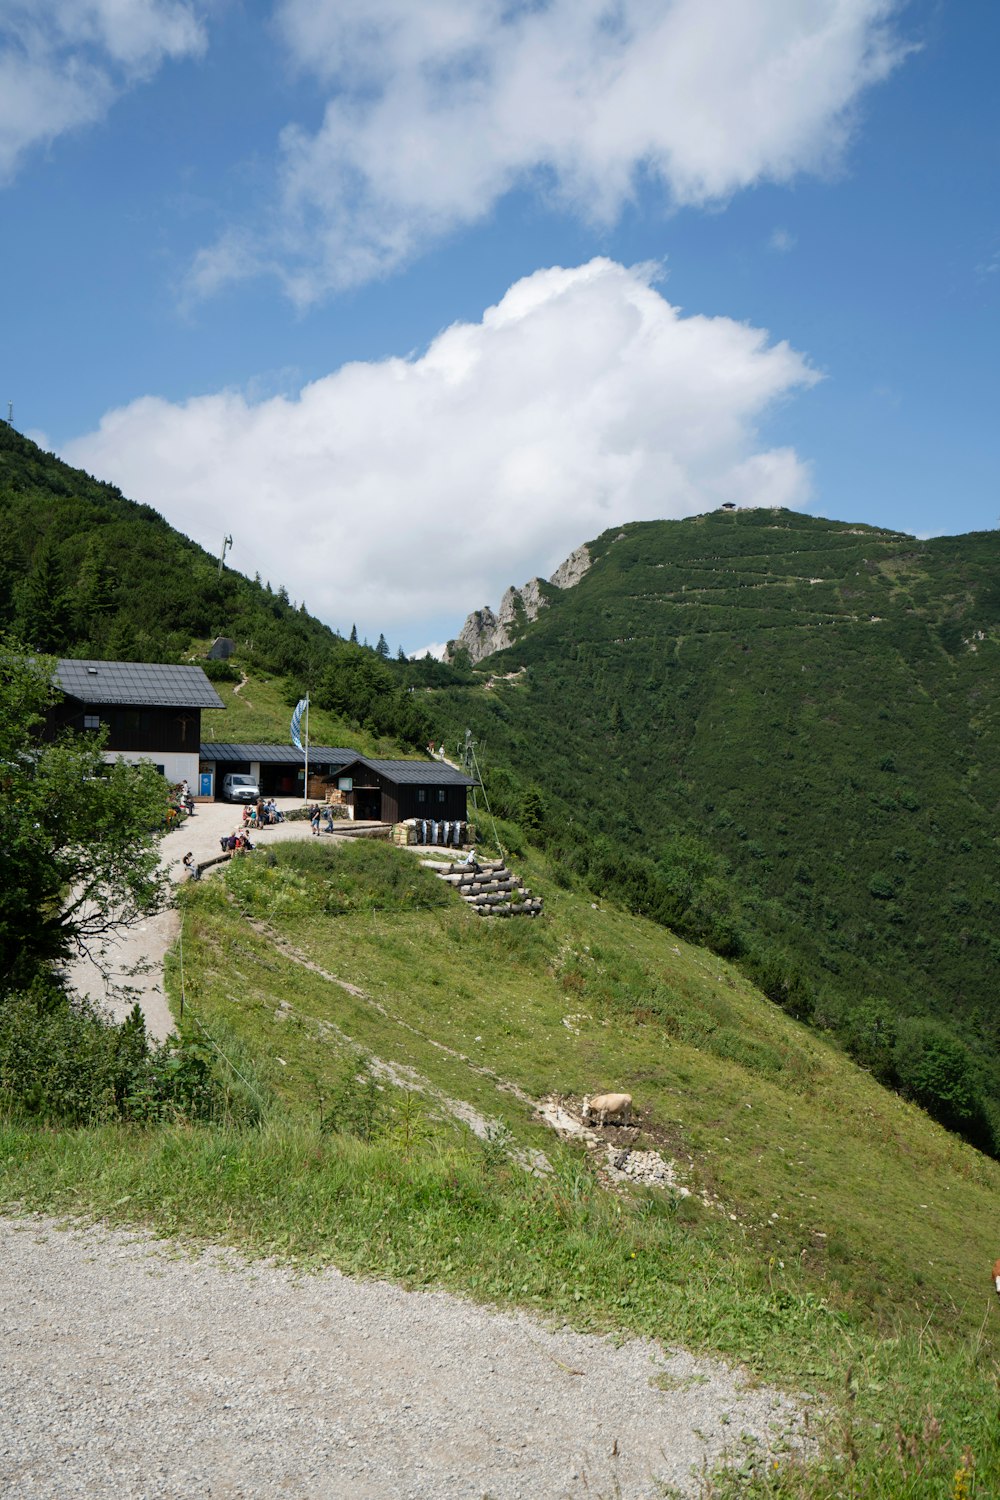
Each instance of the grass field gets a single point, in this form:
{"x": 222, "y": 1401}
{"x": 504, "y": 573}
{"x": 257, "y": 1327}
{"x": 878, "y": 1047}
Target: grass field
{"x": 836, "y": 1240}
{"x": 258, "y": 712}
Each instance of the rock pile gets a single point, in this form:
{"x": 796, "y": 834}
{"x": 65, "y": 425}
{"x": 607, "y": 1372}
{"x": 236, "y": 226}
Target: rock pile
{"x": 646, "y": 1167}
{"x": 489, "y": 887}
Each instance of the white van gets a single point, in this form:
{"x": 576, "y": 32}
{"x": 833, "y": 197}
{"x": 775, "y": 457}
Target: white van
{"x": 239, "y": 787}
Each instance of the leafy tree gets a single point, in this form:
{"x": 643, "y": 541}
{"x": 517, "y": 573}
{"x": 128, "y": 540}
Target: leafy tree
{"x": 532, "y": 809}
{"x": 94, "y": 598}
{"x": 80, "y": 837}
{"x": 359, "y": 685}
{"x": 936, "y": 1070}
{"x": 870, "y": 1034}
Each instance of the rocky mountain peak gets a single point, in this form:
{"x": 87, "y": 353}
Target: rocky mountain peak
{"x": 485, "y": 631}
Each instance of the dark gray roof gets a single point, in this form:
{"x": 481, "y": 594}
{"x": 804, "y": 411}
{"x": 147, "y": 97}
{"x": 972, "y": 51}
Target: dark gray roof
{"x": 147, "y": 683}
{"x": 416, "y": 772}
{"x": 224, "y": 753}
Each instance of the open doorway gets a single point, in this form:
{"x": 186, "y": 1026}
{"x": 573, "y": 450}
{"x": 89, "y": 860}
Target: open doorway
{"x": 368, "y": 804}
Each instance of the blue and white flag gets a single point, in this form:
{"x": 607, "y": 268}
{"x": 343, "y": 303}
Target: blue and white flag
{"x": 300, "y": 708}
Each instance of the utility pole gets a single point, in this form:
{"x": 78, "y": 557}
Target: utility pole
{"x": 227, "y": 542}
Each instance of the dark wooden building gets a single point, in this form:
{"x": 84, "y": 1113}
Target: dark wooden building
{"x": 390, "y": 791}
{"x": 151, "y": 711}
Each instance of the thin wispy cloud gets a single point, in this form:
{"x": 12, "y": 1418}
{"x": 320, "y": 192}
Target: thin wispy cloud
{"x": 782, "y": 241}
{"x": 435, "y": 111}
{"x": 64, "y": 62}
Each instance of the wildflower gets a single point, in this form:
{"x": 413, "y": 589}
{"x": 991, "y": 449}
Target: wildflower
{"x": 961, "y": 1484}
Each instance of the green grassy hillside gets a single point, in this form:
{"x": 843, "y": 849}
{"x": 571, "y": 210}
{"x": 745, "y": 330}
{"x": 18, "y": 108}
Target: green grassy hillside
{"x": 835, "y": 1240}
{"x": 795, "y": 722}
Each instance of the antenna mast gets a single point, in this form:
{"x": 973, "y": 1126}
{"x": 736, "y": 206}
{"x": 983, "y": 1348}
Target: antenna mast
{"x": 227, "y": 542}
{"x": 10, "y": 413}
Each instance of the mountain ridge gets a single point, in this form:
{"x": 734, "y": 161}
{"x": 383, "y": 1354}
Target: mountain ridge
{"x": 813, "y": 702}
{"x": 485, "y": 633}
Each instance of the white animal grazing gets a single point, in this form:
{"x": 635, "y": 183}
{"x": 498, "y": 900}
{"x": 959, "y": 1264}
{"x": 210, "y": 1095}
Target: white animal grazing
{"x": 996, "y": 1276}
{"x": 609, "y": 1109}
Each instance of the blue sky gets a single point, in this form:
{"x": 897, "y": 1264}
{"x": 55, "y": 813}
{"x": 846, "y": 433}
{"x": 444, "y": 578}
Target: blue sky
{"x": 414, "y": 305}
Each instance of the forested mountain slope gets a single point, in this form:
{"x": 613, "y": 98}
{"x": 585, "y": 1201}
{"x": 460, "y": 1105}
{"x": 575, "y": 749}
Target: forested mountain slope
{"x": 85, "y": 572}
{"x": 796, "y": 721}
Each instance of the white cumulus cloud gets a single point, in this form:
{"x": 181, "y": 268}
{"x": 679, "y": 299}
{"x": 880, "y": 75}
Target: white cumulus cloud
{"x": 63, "y": 62}
{"x": 435, "y": 110}
{"x": 403, "y": 493}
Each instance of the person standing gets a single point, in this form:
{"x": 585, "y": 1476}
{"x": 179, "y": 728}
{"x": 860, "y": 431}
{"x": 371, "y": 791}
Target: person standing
{"x": 314, "y": 818}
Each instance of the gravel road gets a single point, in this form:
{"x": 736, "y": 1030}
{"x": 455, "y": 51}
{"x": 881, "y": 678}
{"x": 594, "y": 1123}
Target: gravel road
{"x": 131, "y": 1369}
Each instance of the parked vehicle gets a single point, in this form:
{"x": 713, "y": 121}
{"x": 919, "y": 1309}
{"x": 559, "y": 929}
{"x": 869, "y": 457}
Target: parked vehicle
{"x": 239, "y": 787}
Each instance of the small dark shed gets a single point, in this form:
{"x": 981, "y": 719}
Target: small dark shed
{"x": 389, "y": 791}
{"x": 221, "y": 648}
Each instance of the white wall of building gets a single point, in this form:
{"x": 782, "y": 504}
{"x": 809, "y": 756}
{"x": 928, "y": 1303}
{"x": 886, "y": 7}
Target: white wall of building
{"x": 177, "y": 765}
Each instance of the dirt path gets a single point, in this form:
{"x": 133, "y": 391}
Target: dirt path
{"x": 134, "y": 959}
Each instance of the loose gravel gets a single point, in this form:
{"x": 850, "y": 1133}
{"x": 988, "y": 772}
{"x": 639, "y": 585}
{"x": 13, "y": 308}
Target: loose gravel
{"x": 132, "y": 1368}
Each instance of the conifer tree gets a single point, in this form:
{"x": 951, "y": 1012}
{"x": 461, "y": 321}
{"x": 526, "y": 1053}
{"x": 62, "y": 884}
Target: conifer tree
{"x": 94, "y": 597}
{"x": 43, "y": 614}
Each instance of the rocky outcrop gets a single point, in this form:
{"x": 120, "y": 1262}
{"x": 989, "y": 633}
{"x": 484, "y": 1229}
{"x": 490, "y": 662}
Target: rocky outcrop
{"x": 572, "y": 570}
{"x": 485, "y": 632}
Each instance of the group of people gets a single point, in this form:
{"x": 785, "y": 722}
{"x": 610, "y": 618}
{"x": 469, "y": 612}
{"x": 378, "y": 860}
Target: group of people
{"x": 180, "y": 801}
{"x": 263, "y": 813}
{"x": 236, "y": 843}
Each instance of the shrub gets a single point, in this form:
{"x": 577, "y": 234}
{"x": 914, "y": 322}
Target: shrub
{"x": 61, "y": 1061}
{"x": 357, "y": 1105}
{"x": 936, "y": 1071}
{"x": 360, "y": 875}
{"x": 220, "y": 671}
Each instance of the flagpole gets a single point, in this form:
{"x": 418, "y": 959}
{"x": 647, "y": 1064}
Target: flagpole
{"x": 306, "y": 786}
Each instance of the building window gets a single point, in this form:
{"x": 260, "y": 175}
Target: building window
{"x": 91, "y": 721}
{"x": 441, "y": 794}
{"x": 421, "y": 794}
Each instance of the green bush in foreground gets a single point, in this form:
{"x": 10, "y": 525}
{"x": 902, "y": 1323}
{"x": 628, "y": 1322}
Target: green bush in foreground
{"x": 366, "y": 876}
{"x": 62, "y": 1062}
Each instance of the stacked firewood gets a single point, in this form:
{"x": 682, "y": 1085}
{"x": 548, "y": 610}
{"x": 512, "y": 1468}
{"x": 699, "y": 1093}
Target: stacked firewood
{"x": 490, "y": 888}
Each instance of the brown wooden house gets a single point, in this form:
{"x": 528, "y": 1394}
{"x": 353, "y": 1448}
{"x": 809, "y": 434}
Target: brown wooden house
{"x": 151, "y": 711}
